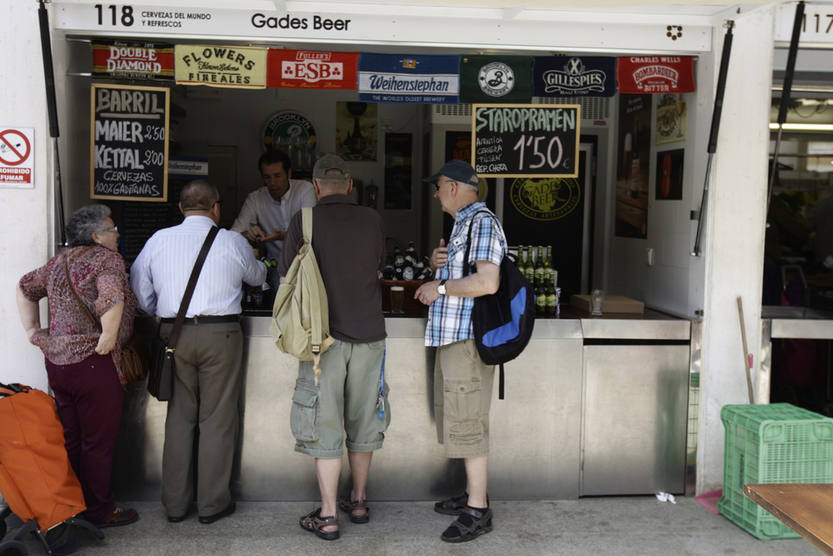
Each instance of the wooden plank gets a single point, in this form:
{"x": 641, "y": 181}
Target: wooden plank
{"x": 805, "y": 508}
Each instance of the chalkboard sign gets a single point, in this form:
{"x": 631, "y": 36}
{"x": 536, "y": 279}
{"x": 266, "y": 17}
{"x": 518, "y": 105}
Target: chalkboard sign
{"x": 525, "y": 140}
{"x": 129, "y": 143}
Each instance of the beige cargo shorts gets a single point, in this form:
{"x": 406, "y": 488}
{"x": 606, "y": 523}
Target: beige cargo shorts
{"x": 462, "y": 398}
{"x": 345, "y": 401}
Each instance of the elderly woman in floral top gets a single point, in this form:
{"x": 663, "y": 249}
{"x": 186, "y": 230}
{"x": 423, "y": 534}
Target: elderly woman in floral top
{"x": 82, "y": 347}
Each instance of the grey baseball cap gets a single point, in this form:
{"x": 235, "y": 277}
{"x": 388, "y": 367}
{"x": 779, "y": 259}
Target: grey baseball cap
{"x": 330, "y": 166}
{"x": 458, "y": 170}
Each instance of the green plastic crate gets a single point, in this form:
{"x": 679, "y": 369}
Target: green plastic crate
{"x": 768, "y": 444}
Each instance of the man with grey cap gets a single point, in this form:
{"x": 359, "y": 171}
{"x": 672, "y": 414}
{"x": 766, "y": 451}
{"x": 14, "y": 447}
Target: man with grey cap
{"x": 351, "y": 394}
{"x": 462, "y": 382}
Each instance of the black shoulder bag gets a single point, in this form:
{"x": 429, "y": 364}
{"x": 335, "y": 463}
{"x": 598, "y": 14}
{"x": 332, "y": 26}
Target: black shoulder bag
{"x": 162, "y": 366}
{"x": 503, "y": 321}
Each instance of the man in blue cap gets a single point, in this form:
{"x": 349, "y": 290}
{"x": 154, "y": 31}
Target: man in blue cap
{"x": 462, "y": 382}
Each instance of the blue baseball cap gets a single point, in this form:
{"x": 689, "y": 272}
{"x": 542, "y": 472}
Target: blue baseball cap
{"x": 457, "y": 170}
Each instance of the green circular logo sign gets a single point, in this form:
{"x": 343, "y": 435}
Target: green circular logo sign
{"x": 287, "y": 128}
{"x": 545, "y": 198}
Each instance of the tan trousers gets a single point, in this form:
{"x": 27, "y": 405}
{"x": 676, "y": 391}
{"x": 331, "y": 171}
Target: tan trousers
{"x": 206, "y": 397}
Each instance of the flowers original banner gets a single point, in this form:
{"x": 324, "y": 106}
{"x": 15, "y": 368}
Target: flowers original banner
{"x": 240, "y": 67}
{"x": 424, "y": 79}
{"x": 133, "y": 60}
{"x": 309, "y": 69}
{"x": 656, "y": 74}
{"x": 573, "y": 76}
{"x": 496, "y": 79}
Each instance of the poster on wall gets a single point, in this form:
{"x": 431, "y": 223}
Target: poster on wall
{"x": 655, "y": 74}
{"x": 17, "y": 159}
{"x": 495, "y": 79}
{"x": 571, "y": 76}
{"x": 422, "y": 79}
{"x": 671, "y": 119}
{"x": 237, "y": 67}
{"x": 294, "y": 134}
{"x": 356, "y": 130}
{"x": 398, "y": 164}
{"x": 526, "y": 140}
{"x": 632, "y": 166}
{"x": 129, "y": 60}
{"x": 311, "y": 69}
{"x": 669, "y": 185}
{"x": 129, "y": 142}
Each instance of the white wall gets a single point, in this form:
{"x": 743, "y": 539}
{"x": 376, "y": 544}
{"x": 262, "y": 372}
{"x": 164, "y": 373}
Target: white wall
{"x": 24, "y": 213}
{"x": 734, "y": 240}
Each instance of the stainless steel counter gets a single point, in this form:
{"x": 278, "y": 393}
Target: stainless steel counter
{"x": 537, "y": 432}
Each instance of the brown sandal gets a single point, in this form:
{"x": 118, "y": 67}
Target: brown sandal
{"x": 352, "y": 506}
{"x": 315, "y": 523}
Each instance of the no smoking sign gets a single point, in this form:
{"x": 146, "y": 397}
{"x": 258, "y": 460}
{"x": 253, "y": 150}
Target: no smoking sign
{"x": 16, "y": 157}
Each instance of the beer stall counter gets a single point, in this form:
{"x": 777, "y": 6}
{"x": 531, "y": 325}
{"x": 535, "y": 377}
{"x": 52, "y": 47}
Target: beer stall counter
{"x": 595, "y": 405}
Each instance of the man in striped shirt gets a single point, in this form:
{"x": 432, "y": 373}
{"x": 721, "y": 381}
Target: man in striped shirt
{"x": 209, "y": 353}
{"x": 462, "y": 382}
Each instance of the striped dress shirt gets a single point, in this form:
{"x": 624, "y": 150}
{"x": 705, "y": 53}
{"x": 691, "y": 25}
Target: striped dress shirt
{"x": 449, "y": 317}
{"x": 161, "y": 271}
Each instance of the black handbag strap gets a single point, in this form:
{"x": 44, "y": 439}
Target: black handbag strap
{"x": 189, "y": 289}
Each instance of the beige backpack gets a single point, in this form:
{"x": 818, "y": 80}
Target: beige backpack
{"x": 300, "y": 316}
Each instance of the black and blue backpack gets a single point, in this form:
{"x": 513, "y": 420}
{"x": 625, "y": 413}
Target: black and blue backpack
{"x": 502, "y": 321}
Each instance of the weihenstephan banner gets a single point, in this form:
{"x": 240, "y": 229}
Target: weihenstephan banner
{"x": 573, "y": 76}
{"x": 424, "y": 79}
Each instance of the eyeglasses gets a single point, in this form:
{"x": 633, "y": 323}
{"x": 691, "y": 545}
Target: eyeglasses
{"x": 437, "y": 185}
{"x": 113, "y": 229}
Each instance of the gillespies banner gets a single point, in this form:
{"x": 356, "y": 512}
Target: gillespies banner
{"x": 573, "y": 76}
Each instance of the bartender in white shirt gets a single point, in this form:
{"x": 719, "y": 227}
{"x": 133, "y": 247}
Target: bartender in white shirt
{"x": 265, "y": 215}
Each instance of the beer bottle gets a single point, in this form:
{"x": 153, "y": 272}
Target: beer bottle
{"x": 529, "y": 270}
{"x": 550, "y": 299}
{"x": 540, "y": 301}
{"x": 539, "y": 267}
{"x": 522, "y": 253}
{"x": 549, "y": 277}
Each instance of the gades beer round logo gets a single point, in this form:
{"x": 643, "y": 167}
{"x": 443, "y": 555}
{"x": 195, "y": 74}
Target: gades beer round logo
{"x": 545, "y": 199}
{"x": 496, "y": 79}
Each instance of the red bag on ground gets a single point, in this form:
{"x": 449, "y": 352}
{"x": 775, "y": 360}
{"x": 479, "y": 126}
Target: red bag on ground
{"x": 36, "y": 477}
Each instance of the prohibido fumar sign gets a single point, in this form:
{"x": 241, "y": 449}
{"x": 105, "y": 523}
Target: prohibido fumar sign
{"x": 129, "y": 143}
{"x": 525, "y": 140}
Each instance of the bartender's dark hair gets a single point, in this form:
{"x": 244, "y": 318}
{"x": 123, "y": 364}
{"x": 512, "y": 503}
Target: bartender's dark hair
{"x": 84, "y": 222}
{"x": 198, "y": 195}
{"x": 273, "y": 156}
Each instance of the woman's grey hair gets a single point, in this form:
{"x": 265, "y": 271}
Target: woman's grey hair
{"x": 84, "y": 222}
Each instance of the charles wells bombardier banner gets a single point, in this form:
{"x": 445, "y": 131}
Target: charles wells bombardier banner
{"x": 309, "y": 69}
{"x": 656, "y": 74}
{"x": 133, "y": 60}
{"x": 424, "y": 79}
{"x": 240, "y": 67}
{"x": 573, "y": 76}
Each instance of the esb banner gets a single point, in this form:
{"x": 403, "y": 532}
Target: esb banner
{"x": 574, "y": 76}
{"x": 423, "y": 79}
{"x": 133, "y": 60}
{"x": 309, "y": 69}
{"x": 656, "y": 74}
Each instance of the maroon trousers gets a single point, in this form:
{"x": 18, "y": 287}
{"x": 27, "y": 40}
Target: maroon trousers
{"x": 89, "y": 399}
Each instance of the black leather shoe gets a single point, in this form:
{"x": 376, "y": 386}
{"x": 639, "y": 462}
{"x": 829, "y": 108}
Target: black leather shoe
{"x": 176, "y": 518}
{"x": 219, "y": 515}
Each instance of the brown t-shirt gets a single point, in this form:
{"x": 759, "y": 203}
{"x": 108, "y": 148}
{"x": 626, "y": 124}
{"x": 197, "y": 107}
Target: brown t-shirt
{"x": 349, "y": 245}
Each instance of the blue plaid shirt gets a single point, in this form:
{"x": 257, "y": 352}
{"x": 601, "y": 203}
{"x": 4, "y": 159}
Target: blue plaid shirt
{"x": 449, "y": 317}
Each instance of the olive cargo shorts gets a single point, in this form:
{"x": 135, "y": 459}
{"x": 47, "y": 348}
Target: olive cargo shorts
{"x": 345, "y": 400}
{"x": 462, "y": 398}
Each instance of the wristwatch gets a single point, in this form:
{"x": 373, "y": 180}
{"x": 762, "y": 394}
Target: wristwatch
{"x": 441, "y": 288}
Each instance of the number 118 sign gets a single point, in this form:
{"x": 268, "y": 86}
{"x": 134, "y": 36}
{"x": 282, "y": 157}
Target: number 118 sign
{"x": 525, "y": 140}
